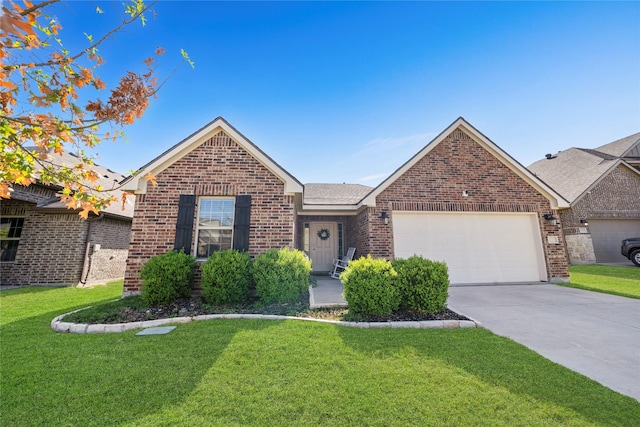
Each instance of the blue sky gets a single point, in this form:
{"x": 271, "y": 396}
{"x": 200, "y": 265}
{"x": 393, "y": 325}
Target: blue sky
{"x": 347, "y": 92}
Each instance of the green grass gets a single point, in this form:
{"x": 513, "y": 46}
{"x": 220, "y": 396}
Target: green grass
{"x": 279, "y": 373}
{"x": 616, "y": 280}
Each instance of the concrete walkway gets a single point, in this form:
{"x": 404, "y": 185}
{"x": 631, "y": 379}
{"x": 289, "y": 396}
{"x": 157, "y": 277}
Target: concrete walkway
{"x": 327, "y": 293}
{"x": 595, "y": 334}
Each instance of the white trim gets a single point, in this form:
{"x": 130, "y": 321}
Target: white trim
{"x": 556, "y": 200}
{"x": 197, "y": 223}
{"x": 138, "y": 184}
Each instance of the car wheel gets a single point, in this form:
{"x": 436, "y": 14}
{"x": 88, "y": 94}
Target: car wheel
{"x": 635, "y": 257}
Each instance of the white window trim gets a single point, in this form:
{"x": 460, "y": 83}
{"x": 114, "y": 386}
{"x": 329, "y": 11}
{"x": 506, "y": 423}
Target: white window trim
{"x": 198, "y": 227}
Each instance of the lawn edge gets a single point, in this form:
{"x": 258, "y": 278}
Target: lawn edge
{"x": 85, "y": 328}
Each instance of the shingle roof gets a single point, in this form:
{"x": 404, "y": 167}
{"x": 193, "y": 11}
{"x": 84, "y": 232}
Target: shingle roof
{"x": 571, "y": 172}
{"x": 621, "y": 146}
{"x": 334, "y": 194}
{"x": 106, "y": 178}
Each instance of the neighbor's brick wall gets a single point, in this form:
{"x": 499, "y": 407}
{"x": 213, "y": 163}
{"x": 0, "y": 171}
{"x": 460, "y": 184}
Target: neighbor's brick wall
{"x": 616, "y": 196}
{"x": 110, "y": 261}
{"x": 51, "y": 247}
{"x": 52, "y": 244}
{"x": 436, "y": 183}
{"x": 218, "y": 167}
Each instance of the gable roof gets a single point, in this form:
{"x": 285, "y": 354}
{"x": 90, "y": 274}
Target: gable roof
{"x": 573, "y": 172}
{"x": 138, "y": 183}
{"x": 557, "y": 201}
{"x": 334, "y": 194}
{"x": 107, "y": 178}
{"x": 622, "y": 147}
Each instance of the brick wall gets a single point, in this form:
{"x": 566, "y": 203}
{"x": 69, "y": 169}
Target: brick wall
{"x": 52, "y": 244}
{"x": 50, "y": 251}
{"x": 109, "y": 261}
{"x": 436, "y": 183}
{"x": 616, "y": 196}
{"x": 218, "y": 167}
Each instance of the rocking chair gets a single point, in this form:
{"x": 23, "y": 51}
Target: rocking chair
{"x": 339, "y": 264}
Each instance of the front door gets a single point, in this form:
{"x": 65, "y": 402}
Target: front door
{"x": 323, "y": 245}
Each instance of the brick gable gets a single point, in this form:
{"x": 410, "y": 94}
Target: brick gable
{"x": 436, "y": 183}
{"x": 217, "y": 167}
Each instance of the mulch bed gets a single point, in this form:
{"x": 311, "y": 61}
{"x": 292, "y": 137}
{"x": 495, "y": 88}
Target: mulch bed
{"x": 300, "y": 308}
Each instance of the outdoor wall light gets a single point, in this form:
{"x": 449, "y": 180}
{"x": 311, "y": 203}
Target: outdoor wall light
{"x": 584, "y": 222}
{"x": 385, "y": 217}
{"x": 549, "y": 217}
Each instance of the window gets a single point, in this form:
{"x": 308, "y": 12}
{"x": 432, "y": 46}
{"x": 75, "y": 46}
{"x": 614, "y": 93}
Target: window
{"x": 215, "y": 225}
{"x": 10, "y": 231}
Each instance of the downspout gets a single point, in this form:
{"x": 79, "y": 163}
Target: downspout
{"x": 87, "y": 248}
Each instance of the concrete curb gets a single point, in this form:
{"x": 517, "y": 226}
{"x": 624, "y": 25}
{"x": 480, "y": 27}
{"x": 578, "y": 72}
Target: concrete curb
{"x": 82, "y": 328}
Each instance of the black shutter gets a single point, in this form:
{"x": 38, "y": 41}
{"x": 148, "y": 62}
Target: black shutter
{"x": 184, "y": 225}
{"x": 241, "y": 223}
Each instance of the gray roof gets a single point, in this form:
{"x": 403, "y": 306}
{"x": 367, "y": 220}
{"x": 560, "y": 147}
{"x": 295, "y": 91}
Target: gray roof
{"x": 107, "y": 178}
{"x": 622, "y": 146}
{"x": 334, "y": 194}
{"x": 571, "y": 172}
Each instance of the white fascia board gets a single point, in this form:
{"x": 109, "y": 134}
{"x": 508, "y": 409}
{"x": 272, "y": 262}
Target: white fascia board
{"x": 138, "y": 183}
{"x": 328, "y": 209}
{"x": 556, "y": 200}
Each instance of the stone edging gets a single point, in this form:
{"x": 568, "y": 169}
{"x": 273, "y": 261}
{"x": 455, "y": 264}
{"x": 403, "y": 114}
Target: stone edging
{"x": 83, "y": 328}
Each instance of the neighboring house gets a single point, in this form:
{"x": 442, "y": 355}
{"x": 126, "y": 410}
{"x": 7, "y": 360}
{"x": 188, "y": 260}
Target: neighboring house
{"x": 44, "y": 243}
{"x": 603, "y": 187}
{"x": 461, "y": 199}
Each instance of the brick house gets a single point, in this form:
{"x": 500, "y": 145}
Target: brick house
{"x": 603, "y": 188}
{"x": 44, "y": 243}
{"x": 461, "y": 199}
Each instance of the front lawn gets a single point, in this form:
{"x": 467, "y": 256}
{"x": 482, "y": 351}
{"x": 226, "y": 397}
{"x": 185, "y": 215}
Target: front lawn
{"x": 616, "y": 280}
{"x": 262, "y": 372}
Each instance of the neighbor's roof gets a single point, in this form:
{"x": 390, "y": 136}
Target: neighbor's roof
{"x": 622, "y": 147}
{"x": 573, "y": 171}
{"x": 107, "y": 178}
{"x": 334, "y": 194}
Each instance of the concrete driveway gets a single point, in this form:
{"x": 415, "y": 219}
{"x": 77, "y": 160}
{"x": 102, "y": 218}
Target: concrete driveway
{"x": 597, "y": 335}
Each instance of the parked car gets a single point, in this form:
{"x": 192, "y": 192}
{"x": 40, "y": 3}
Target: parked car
{"x": 631, "y": 249}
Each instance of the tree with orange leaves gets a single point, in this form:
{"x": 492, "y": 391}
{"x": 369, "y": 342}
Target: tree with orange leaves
{"x": 42, "y": 85}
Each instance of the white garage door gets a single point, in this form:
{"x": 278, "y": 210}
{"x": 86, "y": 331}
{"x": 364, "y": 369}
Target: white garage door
{"x": 477, "y": 247}
{"x": 607, "y": 236}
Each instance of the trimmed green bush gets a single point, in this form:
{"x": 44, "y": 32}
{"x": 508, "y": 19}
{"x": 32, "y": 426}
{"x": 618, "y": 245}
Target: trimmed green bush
{"x": 369, "y": 286}
{"x": 423, "y": 284}
{"x": 167, "y": 277}
{"x": 281, "y": 275}
{"x": 226, "y": 277}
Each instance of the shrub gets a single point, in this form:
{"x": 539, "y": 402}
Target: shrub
{"x": 281, "y": 275}
{"x": 369, "y": 288}
{"x": 167, "y": 277}
{"x": 226, "y": 277}
{"x": 423, "y": 284}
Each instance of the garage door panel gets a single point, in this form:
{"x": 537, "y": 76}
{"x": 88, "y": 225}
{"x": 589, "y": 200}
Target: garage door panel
{"x": 478, "y": 248}
{"x": 607, "y": 235}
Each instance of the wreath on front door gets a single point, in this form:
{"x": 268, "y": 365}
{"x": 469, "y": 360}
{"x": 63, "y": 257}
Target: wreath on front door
{"x": 323, "y": 234}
